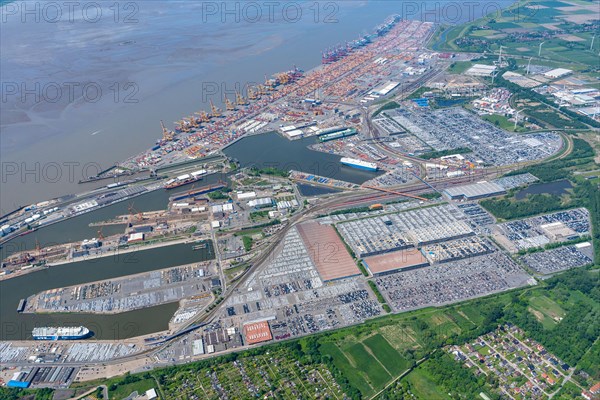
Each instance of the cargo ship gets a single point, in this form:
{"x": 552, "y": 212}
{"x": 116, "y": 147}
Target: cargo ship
{"x": 185, "y": 179}
{"x": 338, "y": 135}
{"x": 351, "y": 162}
{"x": 61, "y": 333}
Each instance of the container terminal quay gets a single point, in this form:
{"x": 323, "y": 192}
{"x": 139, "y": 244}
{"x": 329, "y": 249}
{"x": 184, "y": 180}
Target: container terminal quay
{"x": 397, "y": 209}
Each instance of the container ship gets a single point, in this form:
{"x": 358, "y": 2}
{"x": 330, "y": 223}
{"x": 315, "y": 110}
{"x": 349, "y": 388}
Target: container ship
{"x": 185, "y": 179}
{"x": 60, "y": 333}
{"x": 351, "y": 162}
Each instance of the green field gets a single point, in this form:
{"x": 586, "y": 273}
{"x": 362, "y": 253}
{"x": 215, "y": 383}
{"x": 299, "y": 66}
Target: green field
{"x": 376, "y": 375}
{"x": 503, "y": 123}
{"x": 505, "y": 29}
{"x": 551, "y": 311}
{"x": 343, "y": 364}
{"x": 424, "y": 387}
{"x": 386, "y": 354}
{"x": 122, "y": 391}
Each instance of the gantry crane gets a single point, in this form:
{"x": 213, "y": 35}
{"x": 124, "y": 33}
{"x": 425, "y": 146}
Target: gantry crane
{"x": 240, "y": 100}
{"x": 204, "y": 117}
{"x": 215, "y": 112}
{"x": 252, "y": 95}
{"x": 167, "y": 134}
{"x": 229, "y": 106}
{"x": 182, "y": 125}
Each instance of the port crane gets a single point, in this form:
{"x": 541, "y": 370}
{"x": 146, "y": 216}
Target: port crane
{"x": 215, "y": 112}
{"x": 182, "y": 125}
{"x": 240, "y": 100}
{"x": 396, "y": 193}
{"x": 191, "y": 122}
{"x": 229, "y": 106}
{"x": 204, "y": 117}
{"x": 132, "y": 211}
{"x": 269, "y": 83}
{"x": 252, "y": 95}
{"x": 167, "y": 134}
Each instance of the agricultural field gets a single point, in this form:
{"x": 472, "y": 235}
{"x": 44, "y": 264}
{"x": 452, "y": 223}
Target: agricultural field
{"x": 546, "y": 311}
{"x": 521, "y": 28}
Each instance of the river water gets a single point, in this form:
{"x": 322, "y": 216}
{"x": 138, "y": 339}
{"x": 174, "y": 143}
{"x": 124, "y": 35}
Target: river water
{"x": 83, "y": 90}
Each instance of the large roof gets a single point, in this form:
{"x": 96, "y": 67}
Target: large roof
{"x": 327, "y": 251}
{"x": 395, "y": 261}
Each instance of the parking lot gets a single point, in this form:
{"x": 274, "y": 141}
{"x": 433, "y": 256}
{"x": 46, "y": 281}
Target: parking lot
{"x": 381, "y": 234}
{"x": 539, "y": 231}
{"x": 560, "y": 259}
{"x": 451, "y": 282}
{"x": 457, "y": 249}
{"x": 511, "y": 182}
{"x": 125, "y": 293}
{"x": 290, "y": 294}
{"x": 452, "y": 128}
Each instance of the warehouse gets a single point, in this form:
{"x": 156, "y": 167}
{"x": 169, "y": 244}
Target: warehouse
{"x": 261, "y": 203}
{"x": 403, "y": 260}
{"x": 257, "y": 332}
{"x": 327, "y": 251}
{"x": 475, "y": 191}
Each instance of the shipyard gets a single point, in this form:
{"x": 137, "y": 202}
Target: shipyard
{"x": 310, "y": 203}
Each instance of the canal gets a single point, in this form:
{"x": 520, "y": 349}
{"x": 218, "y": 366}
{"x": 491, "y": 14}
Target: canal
{"x": 15, "y": 326}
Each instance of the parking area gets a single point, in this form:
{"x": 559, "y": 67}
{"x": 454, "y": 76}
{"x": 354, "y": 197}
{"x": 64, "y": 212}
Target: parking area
{"x": 539, "y": 231}
{"x": 292, "y": 296}
{"x": 397, "y": 231}
{"x": 476, "y": 214}
{"x": 457, "y": 249}
{"x": 445, "y": 129}
{"x": 560, "y": 259}
{"x": 511, "y": 182}
{"x": 125, "y": 293}
{"x": 451, "y": 282}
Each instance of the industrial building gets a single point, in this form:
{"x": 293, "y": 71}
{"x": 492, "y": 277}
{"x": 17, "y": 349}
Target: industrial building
{"x": 261, "y": 203}
{"x": 327, "y": 251}
{"x": 481, "y": 70}
{"x": 475, "y": 191}
{"x": 257, "y": 332}
{"x": 558, "y": 231}
{"x": 397, "y": 261}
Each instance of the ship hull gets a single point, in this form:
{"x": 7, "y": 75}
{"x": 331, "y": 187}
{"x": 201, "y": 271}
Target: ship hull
{"x": 182, "y": 183}
{"x": 60, "y": 337}
{"x": 364, "y": 168}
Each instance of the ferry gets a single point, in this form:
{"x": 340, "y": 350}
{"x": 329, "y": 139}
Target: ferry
{"x": 61, "y": 333}
{"x": 351, "y": 162}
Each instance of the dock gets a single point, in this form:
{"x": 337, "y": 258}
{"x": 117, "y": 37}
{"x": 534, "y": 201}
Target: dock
{"x": 196, "y": 192}
{"x": 21, "y": 305}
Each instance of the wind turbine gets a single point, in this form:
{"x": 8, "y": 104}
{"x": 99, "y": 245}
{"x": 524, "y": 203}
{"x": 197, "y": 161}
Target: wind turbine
{"x": 592, "y": 44}
{"x": 528, "y": 65}
{"x": 517, "y": 118}
{"x": 540, "y": 51}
